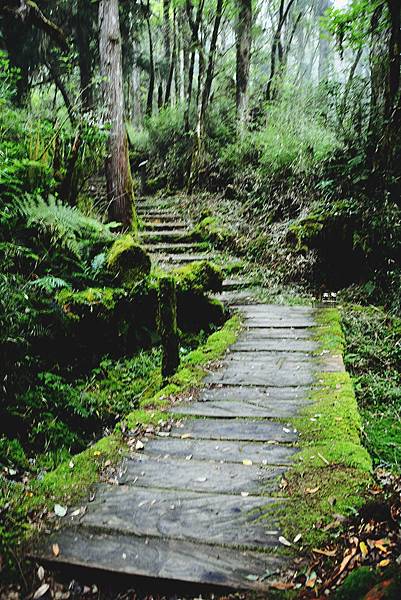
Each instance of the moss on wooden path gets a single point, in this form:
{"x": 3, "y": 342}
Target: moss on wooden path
{"x": 205, "y": 502}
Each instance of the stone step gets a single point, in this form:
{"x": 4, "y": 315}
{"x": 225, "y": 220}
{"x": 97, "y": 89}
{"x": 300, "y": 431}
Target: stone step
{"x": 228, "y": 520}
{"x": 164, "y": 225}
{"x": 198, "y": 475}
{"x": 181, "y": 258}
{"x": 160, "y": 559}
{"x": 247, "y": 343}
{"x": 171, "y": 248}
{"x": 230, "y": 284}
{"x": 236, "y": 297}
{"x": 166, "y": 235}
{"x": 233, "y": 409}
{"x": 271, "y": 374}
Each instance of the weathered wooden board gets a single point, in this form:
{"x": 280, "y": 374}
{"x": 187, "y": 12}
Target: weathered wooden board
{"x": 263, "y": 374}
{"x": 261, "y": 322}
{"x": 238, "y": 408}
{"x": 287, "y": 333}
{"x": 199, "y": 476}
{"x": 248, "y": 343}
{"x": 260, "y": 396}
{"x": 269, "y": 356}
{"x": 162, "y": 559}
{"x": 235, "y": 429}
{"x": 183, "y": 515}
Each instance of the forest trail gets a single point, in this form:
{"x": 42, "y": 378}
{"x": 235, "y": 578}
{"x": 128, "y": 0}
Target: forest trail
{"x": 194, "y": 504}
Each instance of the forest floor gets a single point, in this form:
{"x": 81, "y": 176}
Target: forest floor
{"x": 251, "y": 481}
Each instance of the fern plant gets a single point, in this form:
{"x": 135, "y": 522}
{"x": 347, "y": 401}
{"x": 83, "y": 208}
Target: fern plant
{"x": 65, "y": 225}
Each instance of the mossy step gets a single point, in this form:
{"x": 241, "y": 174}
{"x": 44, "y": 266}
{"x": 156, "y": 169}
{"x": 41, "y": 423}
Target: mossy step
{"x": 243, "y": 297}
{"x": 237, "y": 284}
{"x": 160, "y": 248}
{"x": 181, "y": 258}
{"x": 173, "y": 235}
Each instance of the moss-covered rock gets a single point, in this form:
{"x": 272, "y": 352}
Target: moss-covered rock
{"x": 128, "y": 261}
{"x": 199, "y": 277}
{"x": 209, "y": 229}
{"x": 99, "y": 300}
{"x": 304, "y": 232}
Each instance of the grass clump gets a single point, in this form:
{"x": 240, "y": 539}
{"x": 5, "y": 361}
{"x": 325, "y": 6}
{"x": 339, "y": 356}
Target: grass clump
{"x": 373, "y": 356}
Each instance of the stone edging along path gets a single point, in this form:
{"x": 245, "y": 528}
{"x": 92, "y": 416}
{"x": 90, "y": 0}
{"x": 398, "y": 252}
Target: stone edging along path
{"x": 197, "y": 503}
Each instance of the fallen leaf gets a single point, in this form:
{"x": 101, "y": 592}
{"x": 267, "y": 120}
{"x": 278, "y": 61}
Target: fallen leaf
{"x": 384, "y": 563}
{"x": 139, "y": 445}
{"x": 201, "y": 479}
{"x": 96, "y": 453}
{"x": 41, "y": 591}
{"x": 282, "y": 585}
{"x": 107, "y": 463}
{"x": 189, "y": 457}
{"x": 56, "y": 549}
{"x": 244, "y": 494}
{"x": 247, "y": 462}
{"x": 251, "y": 577}
{"x": 283, "y": 541}
{"x": 71, "y": 464}
{"x": 60, "y": 511}
{"x": 312, "y": 490}
{"x": 185, "y": 436}
{"x": 297, "y": 538}
{"x": 364, "y": 549}
{"x": 346, "y": 560}
{"x": 324, "y": 552}
{"x": 41, "y": 573}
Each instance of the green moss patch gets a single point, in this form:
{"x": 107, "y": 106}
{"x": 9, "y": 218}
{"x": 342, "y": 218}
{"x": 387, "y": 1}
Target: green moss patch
{"x": 209, "y": 229}
{"x": 332, "y": 469}
{"x": 198, "y": 277}
{"x": 128, "y": 260}
{"x": 76, "y": 304}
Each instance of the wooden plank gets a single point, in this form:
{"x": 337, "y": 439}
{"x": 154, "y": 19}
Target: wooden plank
{"x": 269, "y": 374}
{"x": 162, "y": 559}
{"x": 235, "y": 429}
{"x": 199, "y": 476}
{"x": 238, "y": 408}
{"x": 227, "y": 450}
{"x": 262, "y": 396}
{"x": 248, "y": 343}
{"x": 207, "y": 518}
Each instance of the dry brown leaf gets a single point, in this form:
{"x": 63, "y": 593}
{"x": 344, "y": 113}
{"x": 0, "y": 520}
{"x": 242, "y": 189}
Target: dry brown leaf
{"x": 282, "y": 585}
{"x": 56, "y": 549}
{"x": 325, "y": 552}
{"x": 312, "y": 490}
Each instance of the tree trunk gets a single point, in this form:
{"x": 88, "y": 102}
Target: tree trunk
{"x": 271, "y": 88}
{"x": 243, "y": 42}
{"x": 197, "y": 155}
{"x": 136, "y": 105}
{"x": 194, "y": 26}
{"x": 324, "y": 46}
{"x": 118, "y": 172}
{"x": 83, "y": 30}
{"x": 151, "y": 88}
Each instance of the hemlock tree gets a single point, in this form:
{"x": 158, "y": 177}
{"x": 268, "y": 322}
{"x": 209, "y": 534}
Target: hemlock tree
{"x": 118, "y": 172}
{"x": 243, "y": 42}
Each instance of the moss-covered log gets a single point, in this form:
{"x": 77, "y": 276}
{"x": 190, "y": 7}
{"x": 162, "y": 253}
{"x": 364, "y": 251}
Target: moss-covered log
{"x": 167, "y": 322}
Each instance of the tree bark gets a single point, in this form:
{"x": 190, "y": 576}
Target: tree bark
{"x": 118, "y": 172}
{"x": 194, "y": 26}
{"x": 151, "y": 88}
{"x": 271, "y": 88}
{"x": 83, "y": 31}
{"x": 243, "y": 42}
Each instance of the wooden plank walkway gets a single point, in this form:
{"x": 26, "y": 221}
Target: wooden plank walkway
{"x": 195, "y": 504}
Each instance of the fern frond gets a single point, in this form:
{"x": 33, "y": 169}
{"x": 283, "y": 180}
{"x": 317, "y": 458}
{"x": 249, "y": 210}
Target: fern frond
{"x": 48, "y": 283}
{"x": 66, "y": 225}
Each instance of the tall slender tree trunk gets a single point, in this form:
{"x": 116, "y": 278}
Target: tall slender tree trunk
{"x": 151, "y": 87}
{"x": 83, "y": 31}
{"x": 243, "y": 42}
{"x": 118, "y": 172}
{"x": 324, "y": 45}
{"x": 136, "y": 105}
{"x": 197, "y": 155}
{"x": 194, "y": 26}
